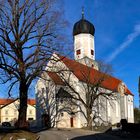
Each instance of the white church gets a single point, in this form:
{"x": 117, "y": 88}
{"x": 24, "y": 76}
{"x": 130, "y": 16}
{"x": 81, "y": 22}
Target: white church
{"x": 68, "y": 88}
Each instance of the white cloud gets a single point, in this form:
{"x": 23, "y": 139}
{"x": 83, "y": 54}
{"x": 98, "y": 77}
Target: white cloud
{"x": 129, "y": 39}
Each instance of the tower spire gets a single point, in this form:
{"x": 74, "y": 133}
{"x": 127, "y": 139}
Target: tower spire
{"x": 82, "y": 12}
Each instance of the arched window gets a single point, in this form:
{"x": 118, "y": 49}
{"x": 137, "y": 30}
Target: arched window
{"x": 63, "y": 95}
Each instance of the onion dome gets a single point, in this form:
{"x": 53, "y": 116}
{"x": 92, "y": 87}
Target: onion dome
{"x": 83, "y": 26}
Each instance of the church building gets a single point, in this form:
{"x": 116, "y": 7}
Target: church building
{"x": 76, "y": 93}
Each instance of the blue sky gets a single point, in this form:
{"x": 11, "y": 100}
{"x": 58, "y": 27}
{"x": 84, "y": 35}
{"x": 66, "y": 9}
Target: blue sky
{"x": 117, "y": 34}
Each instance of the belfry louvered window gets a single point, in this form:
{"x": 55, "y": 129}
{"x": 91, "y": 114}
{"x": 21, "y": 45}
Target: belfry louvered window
{"x": 78, "y": 52}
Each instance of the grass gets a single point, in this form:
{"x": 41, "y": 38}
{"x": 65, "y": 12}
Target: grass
{"x": 18, "y": 134}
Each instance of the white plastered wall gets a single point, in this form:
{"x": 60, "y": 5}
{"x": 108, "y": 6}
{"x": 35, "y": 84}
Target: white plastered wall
{"x": 9, "y": 113}
{"x": 130, "y": 108}
{"x": 84, "y": 42}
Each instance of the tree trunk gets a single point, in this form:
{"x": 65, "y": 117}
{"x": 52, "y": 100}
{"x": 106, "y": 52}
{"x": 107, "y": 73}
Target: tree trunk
{"x": 89, "y": 118}
{"x": 23, "y": 96}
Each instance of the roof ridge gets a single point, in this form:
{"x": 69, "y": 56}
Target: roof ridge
{"x": 88, "y": 67}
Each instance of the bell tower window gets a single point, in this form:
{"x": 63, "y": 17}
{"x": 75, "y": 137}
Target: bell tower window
{"x": 92, "y": 52}
{"x": 78, "y": 52}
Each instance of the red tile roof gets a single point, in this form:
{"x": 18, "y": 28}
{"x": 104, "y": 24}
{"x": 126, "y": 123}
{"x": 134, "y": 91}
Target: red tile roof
{"x": 31, "y": 101}
{"x": 56, "y": 79}
{"x": 90, "y": 75}
{"x": 8, "y": 101}
{"x": 5, "y": 101}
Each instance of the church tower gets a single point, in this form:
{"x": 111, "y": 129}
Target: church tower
{"x": 84, "y": 48}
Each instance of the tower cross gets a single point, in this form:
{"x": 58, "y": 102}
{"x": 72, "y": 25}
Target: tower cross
{"x": 82, "y": 12}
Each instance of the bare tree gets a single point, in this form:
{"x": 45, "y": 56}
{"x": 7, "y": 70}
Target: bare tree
{"x": 91, "y": 89}
{"x": 136, "y": 115}
{"x": 29, "y": 33}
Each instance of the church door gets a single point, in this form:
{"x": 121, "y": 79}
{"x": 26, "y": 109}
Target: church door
{"x": 71, "y": 121}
